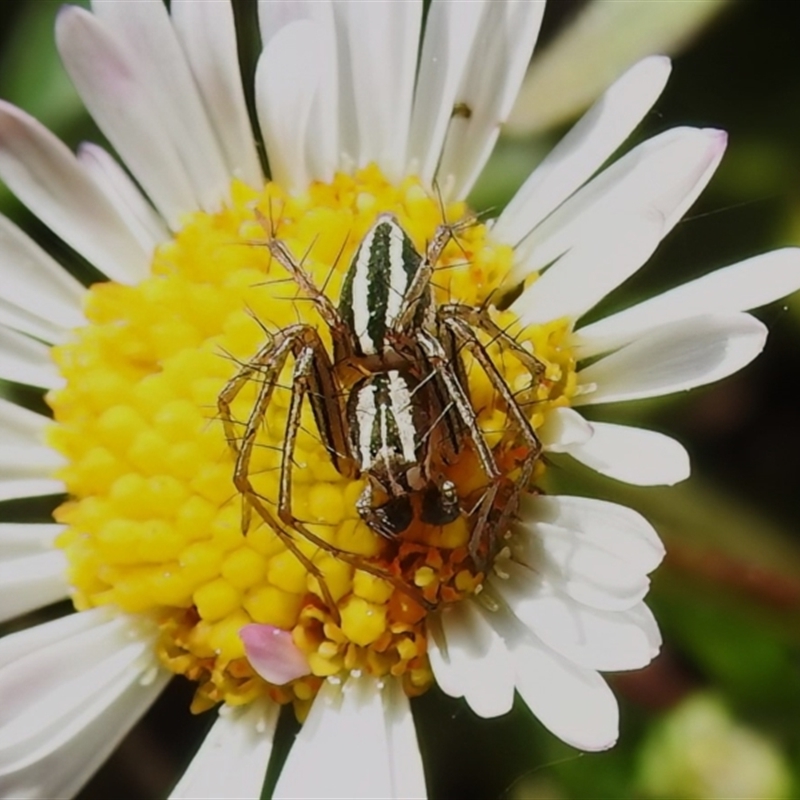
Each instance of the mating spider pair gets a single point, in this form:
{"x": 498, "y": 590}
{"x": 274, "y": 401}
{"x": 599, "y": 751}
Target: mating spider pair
{"x": 391, "y": 404}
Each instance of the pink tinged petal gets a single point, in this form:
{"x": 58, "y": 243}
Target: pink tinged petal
{"x": 322, "y": 134}
{"x": 348, "y": 737}
{"x": 39, "y": 297}
{"x": 232, "y": 761}
{"x": 161, "y": 67}
{"x": 123, "y": 194}
{"x": 24, "y": 360}
{"x": 573, "y": 703}
{"x": 71, "y": 690}
{"x": 589, "y": 637}
{"x": 740, "y": 287}
{"x": 43, "y": 173}
{"x": 25, "y": 464}
{"x": 288, "y": 75}
{"x": 105, "y": 74}
{"x": 208, "y": 36}
{"x": 272, "y": 653}
{"x": 32, "y": 572}
{"x": 381, "y": 41}
{"x": 674, "y": 358}
{"x": 563, "y": 429}
{"x": 633, "y": 455}
{"x": 495, "y": 69}
{"x": 658, "y": 179}
{"x": 616, "y": 246}
{"x": 469, "y": 660}
{"x": 584, "y": 149}
{"x": 450, "y": 31}
{"x": 616, "y": 529}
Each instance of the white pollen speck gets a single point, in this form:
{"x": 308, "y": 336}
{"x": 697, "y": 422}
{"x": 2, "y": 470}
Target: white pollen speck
{"x": 381, "y": 685}
{"x": 356, "y": 673}
{"x": 261, "y": 726}
{"x": 225, "y": 710}
{"x": 335, "y": 680}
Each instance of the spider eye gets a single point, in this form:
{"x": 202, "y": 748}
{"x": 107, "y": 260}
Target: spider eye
{"x": 396, "y": 514}
{"x": 440, "y": 506}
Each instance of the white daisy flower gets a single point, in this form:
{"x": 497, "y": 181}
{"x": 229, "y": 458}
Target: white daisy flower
{"x": 169, "y": 542}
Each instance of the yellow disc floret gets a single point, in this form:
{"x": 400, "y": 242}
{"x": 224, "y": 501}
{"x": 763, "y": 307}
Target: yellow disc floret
{"x": 154, "y": 521}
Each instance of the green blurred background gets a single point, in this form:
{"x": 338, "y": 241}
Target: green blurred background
{"x": 717, "y": 715}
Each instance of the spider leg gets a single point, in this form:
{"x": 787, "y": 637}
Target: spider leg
{"x": 281, "y": 253}
{"x": 476, "y": 318}
{"x": 269, "y": 360}
{"x": 465, "y": 334}
{"x": 437, "y": 357}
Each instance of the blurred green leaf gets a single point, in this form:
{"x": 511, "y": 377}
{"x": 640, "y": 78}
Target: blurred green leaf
{"x": 31, "y": 73}
{"x": 596, "y": 47}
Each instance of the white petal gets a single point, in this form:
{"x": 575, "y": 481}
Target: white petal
{"x": 381, "y": 41}
{"x": 740, "y": 287}
{"x": 19, "y": 539}
{"x": 450, "y": 30}
{"x": 24, "y": 360}
{"x": 471, "y": 661}
{"x": 42, "y": 172}
{"x": 589, "y": 637}
{"x": 407, "y": 775}
{"x": 71, "y": 690}
{"x": 500, "y": 56}
{"x": 613, "y": 528}
{"x": 19, "y": 426}
{"x": 581, "y": 569}
{"x": 347, "y": 738}
{"x": 633, "y": 455}
{"x": 105, "y": 75}
{"x": 232, "y": 761}
{"x": 145, "y": 30}
{"x": 32, "y": 571}
{"x": 32, "y": 582}
{"x": 660, "y": 178}
{"x": 574, "y": 703}
{"x": 584, "y": 149}
{"x": 287, "y": 77}
{"x": 18, "y": 319}
{"x": 609, "y": 253}
{"x": 208, "y": 36}
{"x": 322, "y": 134}
{"x": 674, "y": 358}
{"x": 35, "y": 282}
{"x": 123, "y": 194}
{"x": 25, "y": 463}
{"x": 563, "y": 429}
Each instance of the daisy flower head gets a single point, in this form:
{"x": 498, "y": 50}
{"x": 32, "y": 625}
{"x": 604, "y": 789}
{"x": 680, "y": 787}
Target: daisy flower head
{"x": 301, "y": 425}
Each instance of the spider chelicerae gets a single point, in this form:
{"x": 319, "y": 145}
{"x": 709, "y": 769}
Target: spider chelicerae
{"x": 391, "y": 402}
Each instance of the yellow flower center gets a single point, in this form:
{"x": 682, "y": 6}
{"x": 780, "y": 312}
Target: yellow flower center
{"x": 154, "y": 521}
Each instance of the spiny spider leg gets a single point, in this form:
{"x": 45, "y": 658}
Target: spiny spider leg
{"x": 476, "y": 318}
{"x": 465, "y": 333}
{"x": 269, "y": 359}
{"x": 437, "y": 357}
{"x": 419, "y": 288}
{"x": 281, "y": 253}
